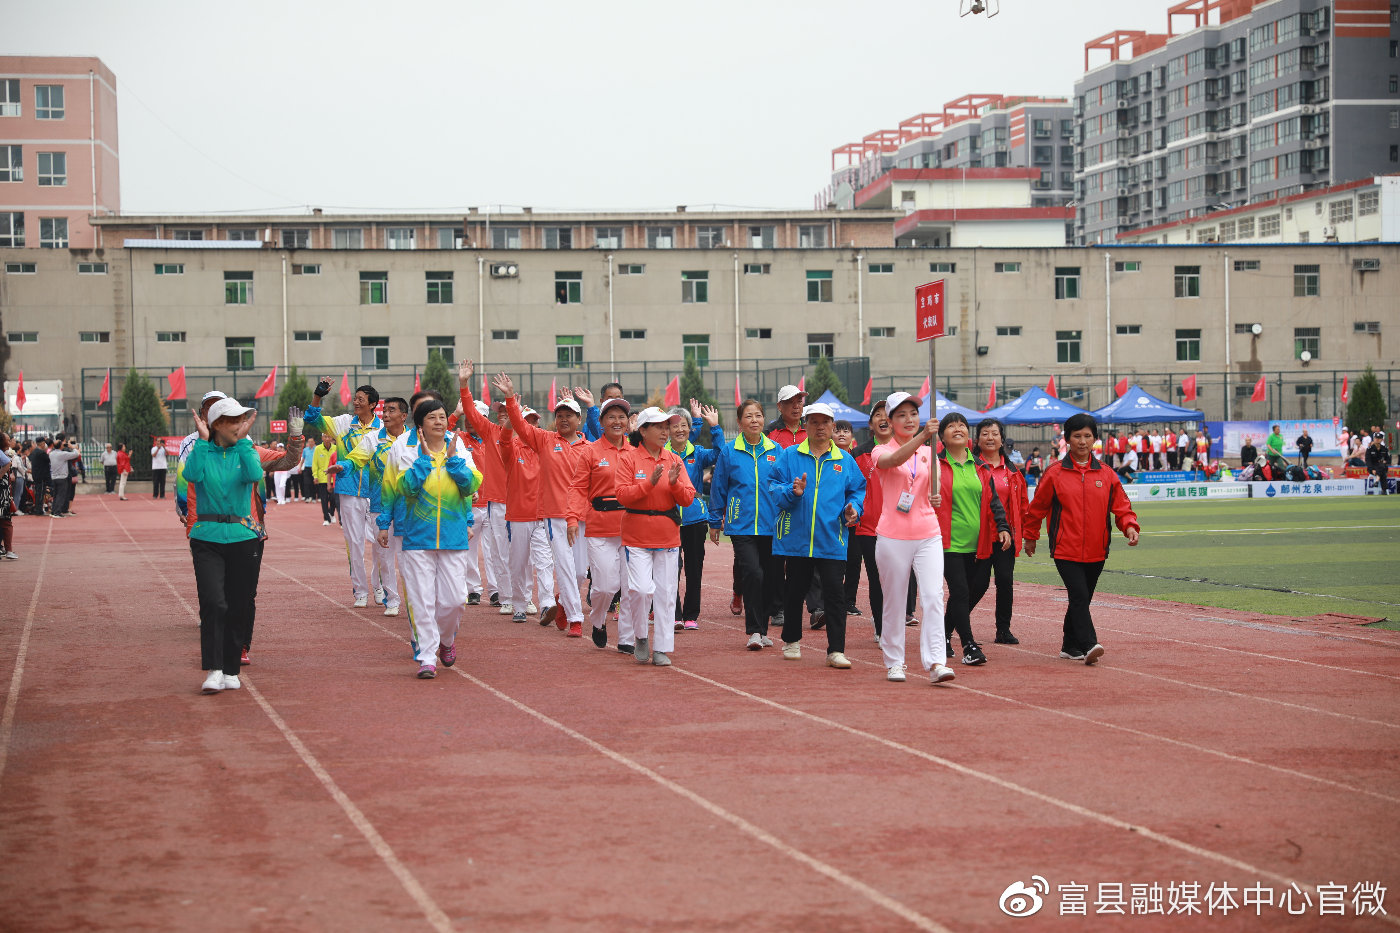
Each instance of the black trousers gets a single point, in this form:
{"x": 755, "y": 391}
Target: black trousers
{"x": 830, "y": 573}
{"x": 40, "y": 484}
{"x": 738, "y": 576}
{"x": 1002, "y": 564}
{"x": 158, "y": 484}
{"x": 109, "y": 474}
{"x": 759, "y": 579}
{"x": 294, "y": 484}
{"x": 326, "y": 495}
{"x": 1303, "y": 459}
{"x": 62, "y": 495}
{"x": 692, "y": 562}
{"x": 1080, "y": 580}
{"x": 1381, "y": 471}
{"x": 862, "y": 548}
{"x": 962, "y": 573}
{"x": 226, "y": 576}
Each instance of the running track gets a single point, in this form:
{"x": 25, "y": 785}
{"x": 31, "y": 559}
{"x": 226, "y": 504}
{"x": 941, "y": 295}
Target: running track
{"x": 543, "y": 784}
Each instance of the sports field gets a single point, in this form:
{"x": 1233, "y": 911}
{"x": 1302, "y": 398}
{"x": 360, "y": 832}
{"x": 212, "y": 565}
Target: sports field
{"x": 1296, "y": 558}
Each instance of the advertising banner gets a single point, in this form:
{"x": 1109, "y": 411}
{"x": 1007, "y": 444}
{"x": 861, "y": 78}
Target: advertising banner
{"x": 1170, "y": 476}
{"x": 1311, "y": 489}
{"x": 1232, "y": 433}
{"x": 1176, "y": 492}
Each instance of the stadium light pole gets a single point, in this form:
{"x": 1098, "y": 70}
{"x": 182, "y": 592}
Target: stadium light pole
{"x": 1228, "y": 391}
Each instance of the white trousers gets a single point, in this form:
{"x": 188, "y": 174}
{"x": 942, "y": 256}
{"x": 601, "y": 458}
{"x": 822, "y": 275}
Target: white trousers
{"x": 651, "y": 578}
{"x": 565, "y": 569}
{"x": 437, "y": 588}
{"x": 386, "y": 563}
{"x": 279, "y": 485}
{"x": 121, "y": 485}
{"x": 529, "y": 550}
{"x": 895, "y": 557}
{"x": 396, "y": 548}
{"x": 605, "y": 560}
{"x": 474, "y": 538}
{"x": 355, "y": 524}
{"x": 495, "y": 550}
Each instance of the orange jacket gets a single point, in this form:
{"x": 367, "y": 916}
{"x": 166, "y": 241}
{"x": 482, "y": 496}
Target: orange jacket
{"x": 1081, "y": 505}
{"x": 556, "y": 459}
{"x": 522, "y": 469}
{"x": 595, "y": 477}
{"x": 635, "y": 491}
{"x": 490, "y": 463}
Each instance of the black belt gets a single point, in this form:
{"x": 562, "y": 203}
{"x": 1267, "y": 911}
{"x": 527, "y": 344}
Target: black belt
{"x": 225, "y": 519}
{"x": 673, "y": 514}
{"x": 606, "y": 504}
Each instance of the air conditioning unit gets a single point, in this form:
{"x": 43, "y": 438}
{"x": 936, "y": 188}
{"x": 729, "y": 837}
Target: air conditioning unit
{"x": 1122, "y": 192}
{"x": 1307, "y": 109}
{"x": 1329, "y": 232}
{"x": 505, "y": 270}
{"x": 1366, "y": 265}
{"x": 1122, "y": 221}
{"x": 1122, "y": 103}
{"x": 1125, "y": 134}
{"x": 1316, "y": 144}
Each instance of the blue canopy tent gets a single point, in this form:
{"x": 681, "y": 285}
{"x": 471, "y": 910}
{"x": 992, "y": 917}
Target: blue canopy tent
{"x": 945, "y": 406}
{"x": 855, "y": 416}
{"x": 1035, "y": 407}
{"x": 1136, "y": 406}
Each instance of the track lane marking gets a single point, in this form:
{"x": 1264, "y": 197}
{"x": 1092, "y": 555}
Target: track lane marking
{"x": 7, "y": 720}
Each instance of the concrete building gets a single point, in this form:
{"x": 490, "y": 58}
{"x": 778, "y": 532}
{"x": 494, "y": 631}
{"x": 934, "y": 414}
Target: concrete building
{"x": 60, "y": 163}
{"x": 1255, "y": 100}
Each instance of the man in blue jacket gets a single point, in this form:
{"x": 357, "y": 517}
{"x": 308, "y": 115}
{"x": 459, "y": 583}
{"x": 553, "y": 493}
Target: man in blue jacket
{"x": 819, "y": 492}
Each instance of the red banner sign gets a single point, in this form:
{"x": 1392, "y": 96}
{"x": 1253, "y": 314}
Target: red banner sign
{"x": 928, "y": 305}
{"x": 279, "y": 427}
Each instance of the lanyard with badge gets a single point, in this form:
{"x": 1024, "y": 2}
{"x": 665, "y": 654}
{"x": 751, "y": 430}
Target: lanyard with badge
{"x": 906, "y": 498}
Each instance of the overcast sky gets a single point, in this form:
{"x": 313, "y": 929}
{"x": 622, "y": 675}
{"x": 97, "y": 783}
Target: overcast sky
{"x": 426, "y": 105}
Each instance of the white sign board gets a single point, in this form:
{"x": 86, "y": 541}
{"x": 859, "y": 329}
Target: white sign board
{"x": 1310, "y": 489}
{"x": 1176, "y": 492}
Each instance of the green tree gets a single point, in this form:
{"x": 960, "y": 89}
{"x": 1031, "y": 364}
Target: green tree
{"x": 825, "y": 378}
{"x": 140, "y": 417}
{"x": 693, "y": 385}
{"x": 437, "y": 375}
{"x": 1367, "y": 405}
{"x": 7, "y": 424}
{"x": 295, "y": 391}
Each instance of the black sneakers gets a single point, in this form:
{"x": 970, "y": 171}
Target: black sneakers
{"x": 1004, "y": 637}
{"x": 600, "y": 637}
{"x": 818, "y": 620}
{"x": 473, "y": 599}
{"x": 972, "y": 654}
{"x": 625, "y": 649}
{"x": 496, "y": 600}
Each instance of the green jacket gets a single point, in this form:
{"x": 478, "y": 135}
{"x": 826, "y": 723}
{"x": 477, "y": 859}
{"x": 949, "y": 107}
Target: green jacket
{"x": 226, "y": 480}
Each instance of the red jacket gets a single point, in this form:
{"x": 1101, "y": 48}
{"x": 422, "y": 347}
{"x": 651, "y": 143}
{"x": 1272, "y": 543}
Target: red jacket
{"x": 491, "y": 464}
{"x": 556, "y": 460}
{"x": 785, "y": 437}
{"x": 874, "y": 497}
{"x": 595, "y": 477}
{"x": 635, "y": 491}
{"x": 1013, "y": 498}
{"x": 993, "y": 518}
{"x": 522, "y": 469}
{"x": 1080, "y": 504}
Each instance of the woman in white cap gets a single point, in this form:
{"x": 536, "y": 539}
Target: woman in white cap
{"x": 653, "y": 487}
{"x": 695, "y": 519}
{"x": 595, "y": 515}
{"x": 908, "y": 538}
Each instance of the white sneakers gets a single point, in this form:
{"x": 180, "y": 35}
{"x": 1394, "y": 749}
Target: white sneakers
{"x": 941, "y": 673}
{"x": 792, "y": 650}
{"x": 767, "y": 642}
{"x": 530, "y": 608}
{"x": 895, "y": 674}
{"x": 1093, "y": 654}
{"x": 837, "y": 660}
{"x": 391, "y": 611}
{"x": 231, "y": 682}
{"x": 214, "y": 683}
{"x": 325, "y": 523}
{"x": 506, "y": 609}
{"x": 755, "y": 642}
{"x": 361, "y": 602}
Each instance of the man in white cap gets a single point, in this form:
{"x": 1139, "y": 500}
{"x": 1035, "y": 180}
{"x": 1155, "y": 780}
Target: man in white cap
{"x": 787, "y": 430}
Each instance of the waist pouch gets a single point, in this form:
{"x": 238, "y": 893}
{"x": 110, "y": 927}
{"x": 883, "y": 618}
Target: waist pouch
{"x": 606, "y": 504}
{"x": 673, "y": 514}
{"x": 223, "y": 519}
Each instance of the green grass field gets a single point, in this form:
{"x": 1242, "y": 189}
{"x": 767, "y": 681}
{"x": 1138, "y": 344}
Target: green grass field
{"x": 1291, "y": 558}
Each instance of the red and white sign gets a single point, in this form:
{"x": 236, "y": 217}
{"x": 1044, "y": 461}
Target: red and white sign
{"x": 928, "y": 305}
{"x": 279, "y": 427}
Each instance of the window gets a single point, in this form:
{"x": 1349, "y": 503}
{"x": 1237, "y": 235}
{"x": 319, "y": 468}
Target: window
{"x": 239, "y": 351}
{"x": 294, "y": 239}
{"x": 306, "y": 336}
{"x": 449, "y": 237}
{"x": 399, "y": 237}
{"x": 238, "y": 288}
{"x": 1188, "y": 345}
{"x": 1013, "y": 330}
{"x": 1339, "y": 212}
{"x": 758, "y": 333}
{"x": 53, "y": 169}
{"x": 53, "y": 232}
{"x": 94, "y": 336}
{"x": 188, "y": 236}
{"x": 1307, "y": 339}
{"x": 439, "y": 286}
{"x": 23, "y": 336}
{"x": 11, "y": 228}
{"x": 607, "y": 237}
{"x": 948, "y": 267}
{"x": 178, "y": 336}
{"x": 20, "y": 268}
{"x": 695, "y": 287}
{"x": 11, "y": 163}
{"x": 709, "y": 237}
{"x": 92, "y": 268}
{"x": 1186, "y": 281}
{"x": 445, "y": 347}
{"x": 1007, "y": 267}
{"x": 882, "y": 331}
{"x": 811, "y": 236}
{"x": 1067, "y": 345}
{"x": 661, "y": 237}
{"x": 306, "y": 268}
{"x": 347, "y": 239}
{"x": 1127, "y": 330}
{"x": 374, "y": 352}
{"x": 636, "y": 333}
{"x": 1305, "y": 281}
{"x": 505, "y": 238}
{"x": 568, "y": 288}
{"x": 505, "y": 335}
{"x": 568, "y": 348}
{"x": 1132, "y": 265}
{"x": 882, "y": 268}
{"x": 1043, "y": 128}
{"x": 1366, "y": 327}
{"x": 246, "y": 236}
{"x": 170, "y": 268}
{"x": 632, "y": 268}
{"x": 1367, "y": 203}
{"x": 558, "y": 237}
{"x": 48, "y": 101}
{"x": 696, "y": 347}
{"x": 1269, "y": 225}
{"x": 761, "y": 237}
{"x": 757, "y": 268}
{"x": 374, "y": 288}
{"x": 818, "y": 286}
{"x": 1066, "y": 282}
{"x": 9, "y": 97}
{"x": 820, "y": 345}
{"x": 1246, "y": 265}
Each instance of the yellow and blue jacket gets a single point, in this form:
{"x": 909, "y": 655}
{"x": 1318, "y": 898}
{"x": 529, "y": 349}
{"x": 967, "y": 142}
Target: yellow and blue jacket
{"x": 433, "y": 493}
{"x": 347, "y": 431}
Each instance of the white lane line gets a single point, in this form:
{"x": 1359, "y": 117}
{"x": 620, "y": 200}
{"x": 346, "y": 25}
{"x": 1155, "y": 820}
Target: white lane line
{"x": 752, "y": 830}
{"x": 431, "y": 911}
{"x": 1244, "y": 531}
{"x": 7, "y": 720}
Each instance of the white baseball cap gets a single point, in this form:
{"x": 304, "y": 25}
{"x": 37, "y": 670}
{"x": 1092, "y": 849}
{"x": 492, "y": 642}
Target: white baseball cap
{"x": 212, "y": 394}
{"x": 616, "y": 402}
{"x": 569, "y": 404}
{"x": 819, "y": 408}
{"x": 787, "y": 392}
{"x": 481, "y": 407}
{"x": 530, "y": 413}
{"x": 227, "y": 408}
{"x": 899, "y": 398}
{"x": 654, "y": 415}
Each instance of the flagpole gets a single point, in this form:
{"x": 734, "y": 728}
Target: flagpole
{"x": 936, "y": 473}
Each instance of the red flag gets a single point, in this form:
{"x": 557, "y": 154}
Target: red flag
{"x": 1260, "y": 393}
{"x": 269, "y": 385}
{"x": 923, "y": 390}
{"x": 869, "y": 384}
{"x": 1121, "y": 387}
{"x": 105, "y": 395}
{"x": 802, "y": 384}
{"x": 345, "y": 389}
{"x": 1050, "y": 388}
{"x": 992, "y": 397}
{"x": 20, "y": 396}
{"x": 1188, "y": 389}
{"x": 553, "y": 392}
{"x": 738, "y": 395}
{"x": 417, "y": 383}
{"x": 673, "y": 392}
{"x": 177, "y": 384}
{"x": 1345, "y": 393}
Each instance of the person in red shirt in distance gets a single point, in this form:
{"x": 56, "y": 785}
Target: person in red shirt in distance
{"x": 862, "y": 540}
{"x": 651, "y": 484}
{"x": 1078, "y": 494}
{"x": 595, "y": 515}
{"x": 1011, "y": 490}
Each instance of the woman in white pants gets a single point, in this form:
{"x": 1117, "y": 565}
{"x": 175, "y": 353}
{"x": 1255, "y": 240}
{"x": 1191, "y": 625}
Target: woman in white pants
{"x": 908, "y": 537}
{"x": 437, "y": 482}
{"x": 595, "y": 516}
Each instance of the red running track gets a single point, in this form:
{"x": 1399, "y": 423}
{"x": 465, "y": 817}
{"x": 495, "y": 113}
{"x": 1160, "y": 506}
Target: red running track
{"x": 543, "y": 784}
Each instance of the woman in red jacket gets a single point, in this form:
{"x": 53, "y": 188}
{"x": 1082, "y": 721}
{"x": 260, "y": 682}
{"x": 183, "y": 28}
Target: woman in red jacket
{"x": 1010, "y": 487}
{"x": 1081, "y": 497}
